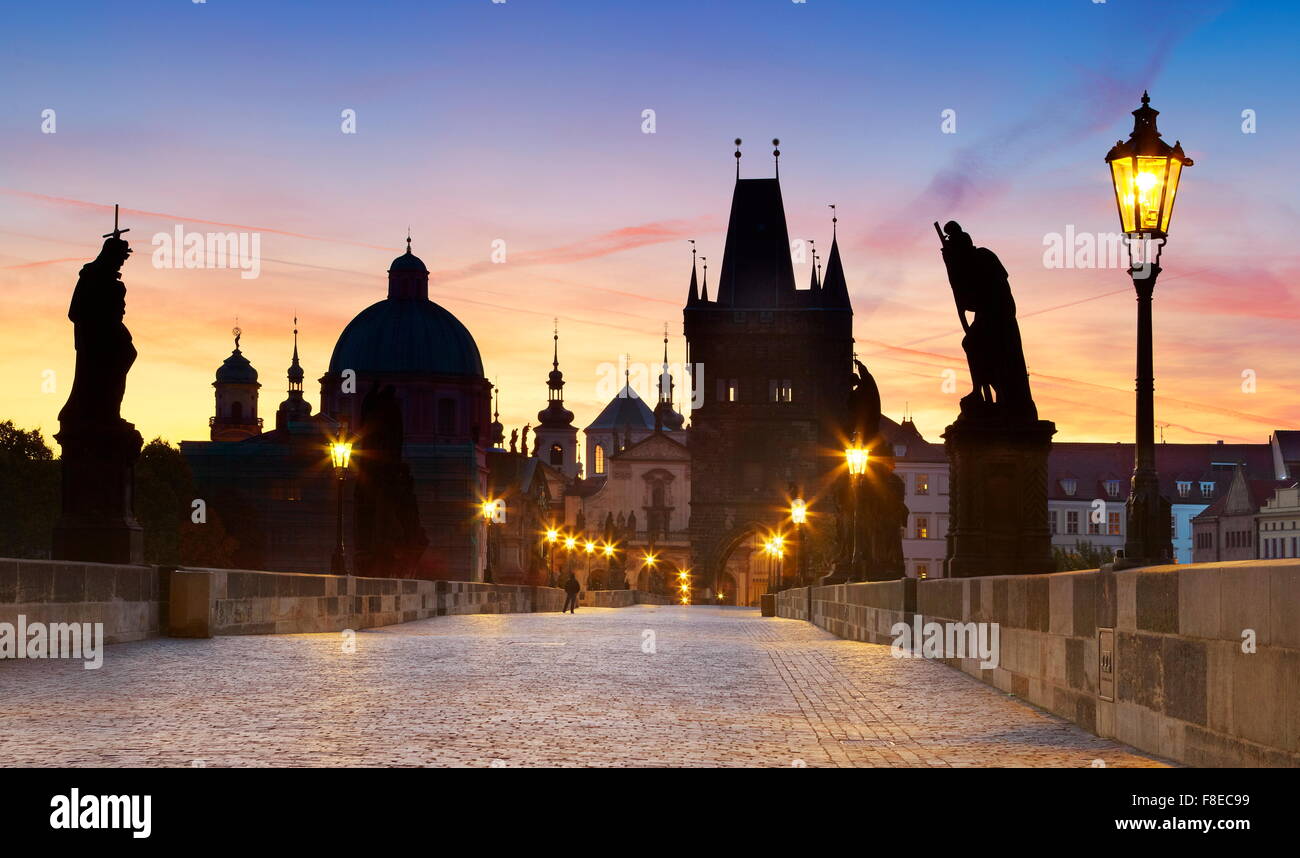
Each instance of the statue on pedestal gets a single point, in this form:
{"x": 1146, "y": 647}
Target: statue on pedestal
{"x": 97, "y": 522}
{"x": 997, "y": 448}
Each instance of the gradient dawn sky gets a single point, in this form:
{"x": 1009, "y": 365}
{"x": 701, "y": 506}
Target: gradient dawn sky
{"x": 522, "y": 122}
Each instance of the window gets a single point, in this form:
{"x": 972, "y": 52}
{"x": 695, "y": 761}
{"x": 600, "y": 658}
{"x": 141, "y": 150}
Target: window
{"x": 1070, "y": 485}
{"x": 236, "y": 412}
{"x": 922, "y": 484}
{"x": 1051, "y": 518}
{"x": 923, "y": 570}
{"x": 446, "y": 416}
{"x": 922, "y": 527}
{"x": 780, "y": 390}
{"x": 599, "y": 458}
{"x": 1184, "y": 488}
{"x": 1112, "y": 522}
{"x": 1112, "y": 488}
{"x": 1072, "y": 521}
{"x": 1207, "y": 487}
{"x": 557, "y": 455}
{"x": 728, "y": 390}
{"x": 1094, "y": 526}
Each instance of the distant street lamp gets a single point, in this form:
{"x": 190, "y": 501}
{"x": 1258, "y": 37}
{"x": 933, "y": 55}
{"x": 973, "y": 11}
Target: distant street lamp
{"x": 494, "y": 512}
{"x": 552, "y": 537}
{"x": 857, "y": 457}
{"x": 799, "y": 517}
{"x": 1145, "y": 171}
{"x": 341, "y": 458}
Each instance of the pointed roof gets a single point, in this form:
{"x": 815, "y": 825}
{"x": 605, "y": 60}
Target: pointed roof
{"x": 835, "y": 289}
{"x": 756, "y": 266}
{"x": 624, "y": 411}
{"x": 694, "y": 296}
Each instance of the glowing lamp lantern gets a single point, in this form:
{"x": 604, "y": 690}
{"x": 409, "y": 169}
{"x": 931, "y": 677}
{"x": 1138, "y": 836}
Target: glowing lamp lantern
{"x": 341, "y": 455}
{"x": 856, "y": 456}
{"x": 569, "y": 543}
{"x": 798, "y": 511}
{"x": 494, "y": 511}
{"x": 552, "y": 535}
{"x": 609, "y": 550}
{"x": 1145, "y": 171}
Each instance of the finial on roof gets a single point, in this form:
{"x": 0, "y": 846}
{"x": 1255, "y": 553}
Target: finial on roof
{"x": 555, "y": 356}
{"x": 835, "y": 218}
{"x": 737, "y": 158}
{"x": 776, "y": 155}
{"x": 704, "y": 292}
{"x": 237, "y": 333}
{"x": 408, "y": 239}
{"x": 665, "y": 344}
{"x": 1146, "y": 99}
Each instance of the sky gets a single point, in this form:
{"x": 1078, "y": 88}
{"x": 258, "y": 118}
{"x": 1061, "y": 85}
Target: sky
{"x": 484, "y": 125}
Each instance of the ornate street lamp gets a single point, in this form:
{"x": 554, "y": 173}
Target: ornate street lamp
{"x": 340, "y": 457}
{"x": 493, "y": 512}
{"x": 799, "y": 517}
{"x": 1145, "y": 171}
{"x": 552, "y": 537}
{"x": 857, "y": 457}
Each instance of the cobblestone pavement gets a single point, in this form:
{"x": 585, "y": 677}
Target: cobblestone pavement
{"x": 722, "y": 687}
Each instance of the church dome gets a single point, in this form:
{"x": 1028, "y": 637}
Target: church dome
{"x": 236, "y": 370}
{"x": 408, "y": 336}
{"x": 408, "y": 261}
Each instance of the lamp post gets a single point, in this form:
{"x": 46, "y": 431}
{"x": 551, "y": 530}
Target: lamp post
{"x": 856, "y": 456}
{"x": 609, "y": 551}
{"x": 494, "y": 512}
{"x": 684, "y": 585}
{"x": 590, "y": 548}
{"x": 552, "y": 537}
{"x": 1145, "y": 171}
{"x": 799, "y": 517}
{"x": 341, "y": 458}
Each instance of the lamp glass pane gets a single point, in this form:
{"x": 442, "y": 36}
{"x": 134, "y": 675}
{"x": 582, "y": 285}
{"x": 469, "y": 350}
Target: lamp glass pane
{"x": 1149, "y": 186}
{"x": 1122, "y": 175}
{"x": 1175, "y": 171}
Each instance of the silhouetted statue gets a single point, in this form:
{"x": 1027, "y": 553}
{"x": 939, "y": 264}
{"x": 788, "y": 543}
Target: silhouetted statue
{"x": 514, "y": 440}
{"x": 389, "y": 538}
{"x": 981, "y": 286}
{"x": 523, "y": 440}
{"x": 100, "y": 449}
{"x": 864, "y": 407}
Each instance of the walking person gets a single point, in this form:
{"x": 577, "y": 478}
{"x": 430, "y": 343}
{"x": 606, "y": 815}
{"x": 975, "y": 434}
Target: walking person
{"x": 571, "y": 590}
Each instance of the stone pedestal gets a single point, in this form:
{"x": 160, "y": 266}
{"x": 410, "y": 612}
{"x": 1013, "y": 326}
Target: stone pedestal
{"x": 997, "y": 521}
{"x": 97, "y": 522}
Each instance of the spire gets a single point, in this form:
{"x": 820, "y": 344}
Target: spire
{"x": 815, "y": 284}
{"x": 497, "y": 432}
{"x": 704, "y": 292}
{"x": 555, "y": 415}
{"x": 737, "y": 159}
{"x": 555, "y": 351}
{"x": 757, "y": 271}
{"x": 665, "y": 378}
{"x": 776, "y": 155}
{"x": 835, "y": 290}
{"x": 694, "y": 296}
{"x": 295, "y": 369}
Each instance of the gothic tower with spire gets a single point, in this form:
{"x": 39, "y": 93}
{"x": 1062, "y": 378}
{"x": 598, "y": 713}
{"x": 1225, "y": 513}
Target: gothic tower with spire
{"x": 555, "y": 441}
{"x": 295, "y": 409}
{"x": 772, "y": 367}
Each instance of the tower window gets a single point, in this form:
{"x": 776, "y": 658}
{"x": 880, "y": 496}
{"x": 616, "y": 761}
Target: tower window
{"x": 922, "y": 484}
{"x": 557, "y": 455}
{"x": 1112, "y": 488}
{"x": 599, "y": 458}
{"x": 922, "y": 527}
{"x": 236, "y": 412}
{"x": 780, "y": 390}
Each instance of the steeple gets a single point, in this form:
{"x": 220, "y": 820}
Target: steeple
{"x": 815, "y": 285}
{"x": 236, "y": 387}
{"x": 665, "y": 417}
{"x": 294, "y": 409}
{"x": 757, "y": 272}
{"x": 555, "y": 440}
{"x": 835, "y": 290}
{"x": 704, "y": 293}
{"x": 408, "y": 278}
{"x": 694, "y": 296}
{"x": 497, "y": 432}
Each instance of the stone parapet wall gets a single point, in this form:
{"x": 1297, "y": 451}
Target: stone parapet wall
{"x": 621, "y": 598}
{"x": 1182, "y": 687}
{"x": 128, "y": 600}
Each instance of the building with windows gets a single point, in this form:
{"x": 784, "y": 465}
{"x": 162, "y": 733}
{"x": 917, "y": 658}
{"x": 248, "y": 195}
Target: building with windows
{"x": 1254, "y": 518}
{"x": 1088, "y": 486}
{"x": 923, "y": 468}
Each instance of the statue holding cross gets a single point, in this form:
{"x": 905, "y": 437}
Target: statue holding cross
{"x": 99, "y": 447}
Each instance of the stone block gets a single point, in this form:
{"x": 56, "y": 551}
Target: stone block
{"x": 1219, "y": 659}
{"x": 1085, "y": 604}
{"x": 190, "y": 610}
{"x": 1284, "y": 606}
{"x": 1245, "y": 604}
{"x": 8, "y": 581}
{"x": 35, "y": 582}
{"x": 1125, "y": 601}
{"x": 1184, "y": 679}
{"x": 69, "y": 582}
{"x": 1060, "y": 591}
{"x": 1157, "y": 602}
{"x": 1199, "y": 600}
{"x": 1038, "y": 603}
{"x": 1258, "y": 710}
